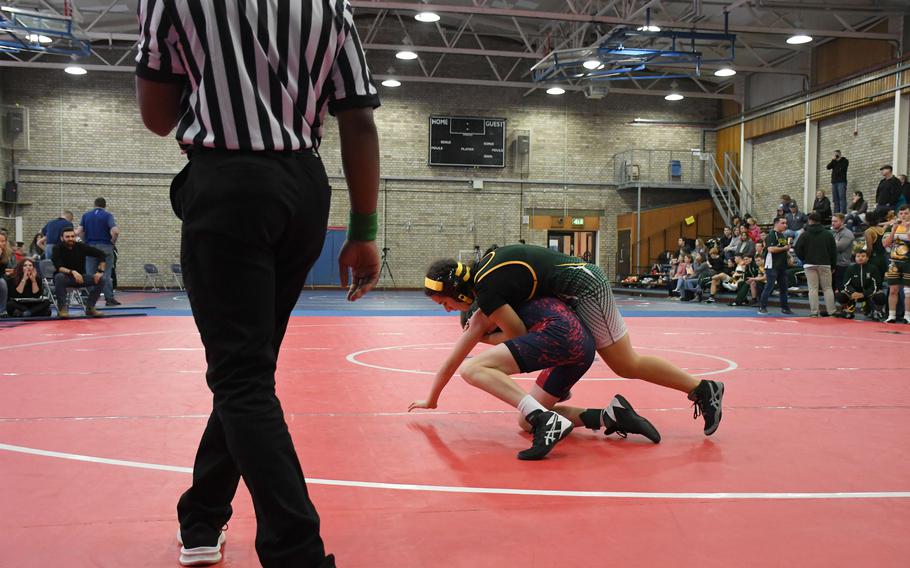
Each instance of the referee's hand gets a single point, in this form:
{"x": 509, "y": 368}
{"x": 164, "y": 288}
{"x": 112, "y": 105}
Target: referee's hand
{"x": 362, "y": 258}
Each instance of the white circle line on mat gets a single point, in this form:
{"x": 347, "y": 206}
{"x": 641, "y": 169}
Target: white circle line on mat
{"x": 352, "y": 358}
{"x": 490, "y": 490}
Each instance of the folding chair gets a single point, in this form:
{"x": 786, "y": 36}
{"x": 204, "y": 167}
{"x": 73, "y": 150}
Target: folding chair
{"x": 178, "y": 275}
{"x": 151, "y": 277}
{"x": 47, "y": 270}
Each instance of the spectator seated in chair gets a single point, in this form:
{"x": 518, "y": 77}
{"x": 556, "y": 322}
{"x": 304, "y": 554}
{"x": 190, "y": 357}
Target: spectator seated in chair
{"x": 856, "y": 214}
{"x": 69, "y": 260}
{"x": 691, "y": 282}
{"x": 796, "y": 220}
{"x": 26, "y": 293}
{"x": 729, "y": 277}
{"x": 679, "y": 272}
{"x": 752, "y": 281}
{"x": 861, "y": 285}
{"x": 7, "y": 265}
{"x": 822, "y": 206}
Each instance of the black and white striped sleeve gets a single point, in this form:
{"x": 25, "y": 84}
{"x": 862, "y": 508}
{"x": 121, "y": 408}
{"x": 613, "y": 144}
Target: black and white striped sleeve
{"x": 158, "y": 58}
{"x": 351, "y": 79}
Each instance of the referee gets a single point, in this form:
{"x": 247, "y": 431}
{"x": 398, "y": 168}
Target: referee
{"x": 247, "y": 85}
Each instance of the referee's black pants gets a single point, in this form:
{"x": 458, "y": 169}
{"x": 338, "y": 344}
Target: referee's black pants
{"x": 253, "y": 225}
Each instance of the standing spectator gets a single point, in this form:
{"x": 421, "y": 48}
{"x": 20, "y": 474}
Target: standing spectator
{"x": 98, "y": 229}
{"x": 280, "y": 70}
{"x": 844, "y": 238}
{"x": 70, "y": 262}
{"x": 856, "y": 216}
{"x": 861, "y": 285}
{"x": 888, "y": 191}
{"x": 26, "y": 292}
{"x": 898, "y": 275}
{"x": 52, "y": 231}
{"x": 776, "y": 267}
{"x": 796, "y": 220}
{"x": 822, "y": 206}
{"x": 838, "y": 167}
{"x": 818, "y": 251}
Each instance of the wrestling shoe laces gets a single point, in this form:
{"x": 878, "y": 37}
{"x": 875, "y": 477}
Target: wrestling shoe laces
{"x": 707, "y": 399}
{"x": 549, "y": 429}
{"x": 627, "y": 421}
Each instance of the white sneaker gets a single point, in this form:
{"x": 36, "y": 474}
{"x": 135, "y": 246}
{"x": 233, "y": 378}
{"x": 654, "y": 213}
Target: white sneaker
{"x": 200, "y": 555}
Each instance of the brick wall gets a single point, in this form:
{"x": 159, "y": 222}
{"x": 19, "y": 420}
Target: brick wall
{"x": 777, "y": 168}
{"x": 866, "y": 139}
{"x": 777, "y": 159}
{"x": 91, "y": 122}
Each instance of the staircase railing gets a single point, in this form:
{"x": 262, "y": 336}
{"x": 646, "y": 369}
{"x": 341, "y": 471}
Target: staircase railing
{"x": 727, "y": 189}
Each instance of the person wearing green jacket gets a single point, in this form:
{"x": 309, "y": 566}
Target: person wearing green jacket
{"x": 818, "y": 251}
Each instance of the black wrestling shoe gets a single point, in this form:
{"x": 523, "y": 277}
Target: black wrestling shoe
{"x": 707, "y": 398}
{"x": 548, "y": 428}
{"x": 627, "y": 421}
{"x": 112, "y": 302}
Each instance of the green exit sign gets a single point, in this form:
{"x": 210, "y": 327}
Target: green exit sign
{"x": 578, "y": 220}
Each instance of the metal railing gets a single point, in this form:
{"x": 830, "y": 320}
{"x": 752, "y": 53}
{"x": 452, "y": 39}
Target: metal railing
{"x": 659, "y": 166}
{"x": 727, "y": 189}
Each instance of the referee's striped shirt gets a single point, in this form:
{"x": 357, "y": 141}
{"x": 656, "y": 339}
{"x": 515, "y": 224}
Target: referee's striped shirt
{"x": 260, "y": 73}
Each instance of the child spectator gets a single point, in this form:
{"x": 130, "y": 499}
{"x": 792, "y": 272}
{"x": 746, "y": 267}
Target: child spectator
{"x": 682, "y": 267}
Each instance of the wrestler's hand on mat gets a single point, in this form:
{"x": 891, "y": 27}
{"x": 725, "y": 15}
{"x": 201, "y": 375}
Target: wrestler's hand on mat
{"x": 363, "y": 260}
{"x": 421, "y": 404}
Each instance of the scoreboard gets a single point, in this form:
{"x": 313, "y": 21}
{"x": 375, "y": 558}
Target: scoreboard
{"x": 467, "y": 141}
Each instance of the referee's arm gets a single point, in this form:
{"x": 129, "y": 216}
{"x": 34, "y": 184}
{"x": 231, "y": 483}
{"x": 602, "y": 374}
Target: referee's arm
{"x": 159, "y": 104}
{"x": 160, "y": 76}
{"x": 360, "y": 157}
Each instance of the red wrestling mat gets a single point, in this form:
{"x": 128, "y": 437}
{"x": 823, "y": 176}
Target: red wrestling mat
{"x": 99, "y": 422}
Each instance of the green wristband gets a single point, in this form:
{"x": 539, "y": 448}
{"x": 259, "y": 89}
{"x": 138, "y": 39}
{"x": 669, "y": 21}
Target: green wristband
{"x": 362, "y": 226}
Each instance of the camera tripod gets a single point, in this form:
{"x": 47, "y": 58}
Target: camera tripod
{"x": 384, "y": 268}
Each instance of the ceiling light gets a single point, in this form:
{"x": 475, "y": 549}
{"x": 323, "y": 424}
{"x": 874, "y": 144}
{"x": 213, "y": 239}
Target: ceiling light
{"x": 555, "y": 91}
{"x": 406, "y": 55}
{"x": 391, "y": 83}
{"x": 799, "y": 39}
{"x": 427, "y": 17}
{"x": 649, "y": 28}
{"x": 591, "y": 64}
{"x": 725, "y": 72}
{"x": 75, "y": 70}
{"x": 674, "y": 97}
{"x": 38, "y": 38}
